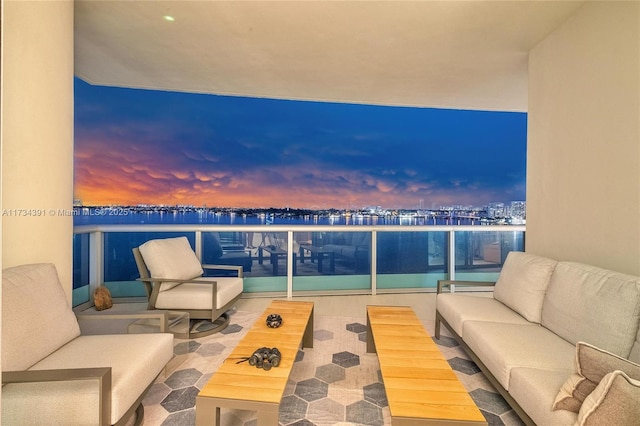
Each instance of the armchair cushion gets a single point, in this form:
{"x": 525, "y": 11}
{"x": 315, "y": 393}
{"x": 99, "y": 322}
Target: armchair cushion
{"x": 171, "y": 258}
{"x": 36, "y": 318}
{"x": 199, "y": 296}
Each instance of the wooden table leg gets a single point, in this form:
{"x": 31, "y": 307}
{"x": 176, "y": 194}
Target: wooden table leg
{"x": 268, "y": 418}
{"x": 307, "y": 337}
{"x": 207, "y": 412}
{"x": 371, "y": 345}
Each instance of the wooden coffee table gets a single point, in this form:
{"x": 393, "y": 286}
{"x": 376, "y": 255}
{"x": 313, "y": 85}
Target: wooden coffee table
{"x": 246, "y": 387}
{"x": 421, "y": 387}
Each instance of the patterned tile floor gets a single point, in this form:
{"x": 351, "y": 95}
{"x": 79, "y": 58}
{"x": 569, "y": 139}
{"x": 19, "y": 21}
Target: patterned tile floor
{"x": 334, "y": 383}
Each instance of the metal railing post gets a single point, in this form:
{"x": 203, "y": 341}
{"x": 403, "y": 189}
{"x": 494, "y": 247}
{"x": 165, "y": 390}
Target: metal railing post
{"x": 290, "y": 256}
{"x": 452, "y": 257}
{"x": 96, "y": 261}
{"x": 198, "y": 243}
{"x": 374, "y": 262}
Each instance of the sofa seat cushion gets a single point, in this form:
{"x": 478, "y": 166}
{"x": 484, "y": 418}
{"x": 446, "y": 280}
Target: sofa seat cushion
{"x": 458, "y": 308}
{"x": 200, "y": 296}
{"x": 36, "y": 317}
{"x": 502, "y": 347}
{"x": 604, "y": 308}
{"x": 535, "y": 390}
{"x": 523, "y": 282}
{"x": 135, "y": 364}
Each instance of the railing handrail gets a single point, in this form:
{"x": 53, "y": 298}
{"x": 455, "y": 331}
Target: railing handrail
{"x": 85, "y": 229}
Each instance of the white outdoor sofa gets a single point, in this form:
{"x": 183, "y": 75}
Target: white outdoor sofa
{"x": 52, "y": 375}
{"x": 559, "y": 340}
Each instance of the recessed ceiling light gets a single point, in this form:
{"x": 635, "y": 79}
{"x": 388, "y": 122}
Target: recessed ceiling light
{"x": 169, "y": 18}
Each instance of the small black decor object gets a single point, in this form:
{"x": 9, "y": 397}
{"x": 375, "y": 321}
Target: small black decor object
{"x": 274, "y": 320}
{"x": 265, "y": 358}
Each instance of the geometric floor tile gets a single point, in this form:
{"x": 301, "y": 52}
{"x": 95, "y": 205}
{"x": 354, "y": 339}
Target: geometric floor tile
{"x": 181, "y": 418}
{"x": 231, "y": 329}
{"x": 180, "y": 399}
{"x": 376, "y": 394}
{"x": 356, "y": 327}
{"x": 346, "y": 359}
{"x": 330, "y": 373}
{"x": 292, "y": 409}
{"x": 211, "y": 349}
{"x": 464, "y": 366}
{"x": 183, "y": 378}
{"x": 446, "y": 341}
{"x": 322, "y": 335}
{"x": 490, "y": 401}
{"x": 366, "y": 413}
{"x": 311, "y": 389}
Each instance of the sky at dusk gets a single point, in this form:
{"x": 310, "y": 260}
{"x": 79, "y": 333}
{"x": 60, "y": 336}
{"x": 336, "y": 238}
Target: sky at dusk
{"x": 152, "y": 147}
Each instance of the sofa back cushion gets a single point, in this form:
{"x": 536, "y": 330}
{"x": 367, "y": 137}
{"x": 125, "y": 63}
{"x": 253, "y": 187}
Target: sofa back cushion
{"x": 522, "y": 283}
{"x": 593, "y": 305}
{"x": 171, "y": 258}
{"x": 36, "y": 317}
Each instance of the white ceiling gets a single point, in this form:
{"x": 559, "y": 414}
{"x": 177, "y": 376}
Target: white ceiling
{"x": 447, "y": 54}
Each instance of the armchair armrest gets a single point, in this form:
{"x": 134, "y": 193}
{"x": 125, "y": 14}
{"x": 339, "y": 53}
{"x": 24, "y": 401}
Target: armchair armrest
{"x": 100, "y": 374}
{"x": 172, "y": 280}
{"x": 237, "y": 268}
{"x": 161, "y": 315}
{"x": 448, "y": 283}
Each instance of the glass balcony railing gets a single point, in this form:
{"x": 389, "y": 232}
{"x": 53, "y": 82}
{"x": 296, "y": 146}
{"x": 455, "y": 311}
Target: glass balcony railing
{"x": 303, "y": 259}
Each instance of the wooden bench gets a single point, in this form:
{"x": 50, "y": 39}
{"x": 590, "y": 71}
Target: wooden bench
{"x": 246, "y": 387}
{"x": 421, "y": 387}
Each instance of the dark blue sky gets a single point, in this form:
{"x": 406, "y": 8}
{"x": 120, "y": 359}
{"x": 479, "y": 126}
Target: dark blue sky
{"x": 152, "y": 147}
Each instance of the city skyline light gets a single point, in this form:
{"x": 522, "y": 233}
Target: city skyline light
{"x": 135, "y": 146}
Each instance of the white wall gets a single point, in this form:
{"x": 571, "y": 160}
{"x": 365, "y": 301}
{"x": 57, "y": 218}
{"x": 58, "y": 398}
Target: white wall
{"x": 37, "y": 134}
{"x": 583, "y": 160}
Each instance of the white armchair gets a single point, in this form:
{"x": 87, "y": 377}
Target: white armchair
{"x": 53, "y": 375}
{"x": 173, "y": 280}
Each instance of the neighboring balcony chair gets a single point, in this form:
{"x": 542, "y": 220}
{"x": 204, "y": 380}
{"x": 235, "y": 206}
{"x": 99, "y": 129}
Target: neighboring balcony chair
{"x": 52, "y": 375}
{"x": 213, "y": 253}
{"x": 173, "y": 280}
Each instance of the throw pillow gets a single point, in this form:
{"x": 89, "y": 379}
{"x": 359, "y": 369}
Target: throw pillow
{"x": 613, "y": 402}
{"x": 592, "y": 364}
